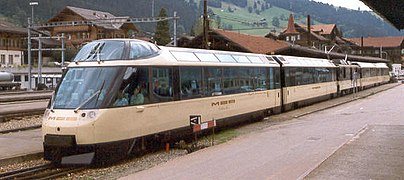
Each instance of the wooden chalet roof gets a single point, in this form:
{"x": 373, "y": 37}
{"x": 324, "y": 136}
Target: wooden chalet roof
{"x": 379, "y": 41}
{"x": 303, "y": 28}
{"x": 291, "y": 29}
{"x": 8, "y": 27}
{"x": 254, "y": 44}
{"x": 323, "y": 28}
{"x": 87, "y": 14}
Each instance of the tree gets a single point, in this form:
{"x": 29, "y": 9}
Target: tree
{"x": 162, "y": 35}
{"x": 275, "y": 22}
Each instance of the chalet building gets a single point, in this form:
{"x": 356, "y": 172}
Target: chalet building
{"x": 233, "y": 41}
{"x": 322, "y": 36}
{"x": 11, "y": 44}
{"x": 391, "y": 48}
{"x": 77, "y": 35}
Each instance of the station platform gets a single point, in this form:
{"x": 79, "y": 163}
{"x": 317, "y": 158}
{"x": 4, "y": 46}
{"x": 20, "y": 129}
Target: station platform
{"x": 20, "y": 146}
{"x": 376, "y": 153}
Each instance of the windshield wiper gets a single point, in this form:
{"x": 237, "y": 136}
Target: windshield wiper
{"x": 97, "y": 93}
{"x": 52, "y": 102}
{"x": 87, "y": 100}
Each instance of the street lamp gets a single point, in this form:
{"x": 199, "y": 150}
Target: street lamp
{"x": 30, "y": 22}
{"x": 32, "y": 4}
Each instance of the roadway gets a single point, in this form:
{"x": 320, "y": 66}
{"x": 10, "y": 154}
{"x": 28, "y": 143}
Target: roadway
{"x": 315, "y": 146}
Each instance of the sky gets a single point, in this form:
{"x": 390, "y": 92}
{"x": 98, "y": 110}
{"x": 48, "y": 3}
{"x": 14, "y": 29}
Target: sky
{"x": 350, "y": 4}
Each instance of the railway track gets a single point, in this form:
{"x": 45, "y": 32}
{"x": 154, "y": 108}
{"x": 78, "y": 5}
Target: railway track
{"x": 23, "y": 92}
{"x": 47, "y": 171}
{"x": 10, "y": 110}
{"x": 7, "y": 98}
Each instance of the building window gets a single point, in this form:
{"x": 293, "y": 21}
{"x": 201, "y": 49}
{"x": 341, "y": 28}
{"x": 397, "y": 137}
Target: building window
{"x": 287, "y": 38}
{"x": 10, "y": 59}
{"x": 298, "y": 37}
{"x": 17, "y": 78}
{"x": 78, "y": 36}
{"x": 376, "y": 51}
{"x": 293, "y": 38}
{"x": 3, "y": 59}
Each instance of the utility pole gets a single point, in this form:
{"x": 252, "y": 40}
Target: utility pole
{"x": 30, "y": 24}
{"x": 39, "y": 60}
{"x": 152, "y": 10}
{"x": 205, "y": 24}
{"x": 29, "y": 55}
{"x": 63, "y": 50}
{"x": 175, "y": 29}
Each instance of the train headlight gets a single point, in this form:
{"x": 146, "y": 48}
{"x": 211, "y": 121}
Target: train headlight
{"x": 92, "y": 114}
{"x": 88, "y": 115}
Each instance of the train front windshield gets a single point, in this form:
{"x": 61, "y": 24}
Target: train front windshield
{"x": 88, "y": 88}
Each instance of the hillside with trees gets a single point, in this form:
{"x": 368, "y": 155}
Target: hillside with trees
{"x": 247, "y": 16}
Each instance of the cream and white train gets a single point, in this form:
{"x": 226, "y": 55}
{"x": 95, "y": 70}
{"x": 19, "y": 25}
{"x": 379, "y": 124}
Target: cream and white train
{"x": 122, "y": 95}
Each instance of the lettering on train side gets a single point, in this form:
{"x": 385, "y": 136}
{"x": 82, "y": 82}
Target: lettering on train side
{"x": 222, "y": 103}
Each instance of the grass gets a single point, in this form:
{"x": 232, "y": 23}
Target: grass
{"x": 225, "y": 135}
{"x": 242, "y": 21}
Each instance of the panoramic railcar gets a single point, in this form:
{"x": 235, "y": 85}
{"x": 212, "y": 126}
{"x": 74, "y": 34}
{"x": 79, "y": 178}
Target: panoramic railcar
{"x": 121, "y": 95}
{"x": 306, "y": 80}
{"x": 372, "y": 74}
{"x": 118, "y": 94}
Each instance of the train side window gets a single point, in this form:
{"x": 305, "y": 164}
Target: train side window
{"x": 245, "y": 79}
{"x": 212, "y": 81}
{"x": 260, "y": 79}
{"x": 290, "y": 75}
{"x": 134, "y": 87}
{"x": 277, "y": 75}
{"x": 162, "y": 84}
{"x": 191, "y": 79}
{"x": 299, "y": 76}
{"x": 231, "y": 80}
{"x": 307, "y": 76}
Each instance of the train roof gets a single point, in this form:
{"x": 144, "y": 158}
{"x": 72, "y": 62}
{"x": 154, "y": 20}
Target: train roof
{"x": 187, "y": 56}
{"x": 292, "y": 61}
{"x": 371, "y": 65}
{"x": 174, "y": 56}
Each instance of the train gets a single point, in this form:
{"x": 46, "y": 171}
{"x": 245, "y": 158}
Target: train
{"x": 7, "y": 81}
{"x": 120, "y": 96}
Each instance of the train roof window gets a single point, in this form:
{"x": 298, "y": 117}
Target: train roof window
{"x": 225, "y": 58}
{"x": 241, "y": 59}
{"x": 139, "y": 50}
{"x": 101, "y": 50}
{"x": 269, "y": 58}
{"x": 207, "y": 57}
{"x": 255, "y": 59}
{"x": 184, "y": 56}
